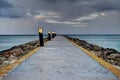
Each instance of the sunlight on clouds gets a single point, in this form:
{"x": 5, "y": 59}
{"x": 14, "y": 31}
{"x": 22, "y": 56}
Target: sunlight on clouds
{"x": 51, "y": 14}
{"x": 48, "y": 14}
{"x": 82, "y": 25}
{"x": 50, "y": 21}
{"x": 89, "y": 17}
{"x": 29, "y": 14}
{"x": 102, "y": 14}
{"x": 76, "y": 24}
{"x": 54, "y": 18}
{"x": 39, "y": 17}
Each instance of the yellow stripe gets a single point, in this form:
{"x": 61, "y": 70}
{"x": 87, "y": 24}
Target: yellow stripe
{"x": 8, "y": 68}
{"x": 105, "y": 64}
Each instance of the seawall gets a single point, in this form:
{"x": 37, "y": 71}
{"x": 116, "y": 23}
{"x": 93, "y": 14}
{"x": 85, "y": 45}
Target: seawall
{"x": 9, "y": 56}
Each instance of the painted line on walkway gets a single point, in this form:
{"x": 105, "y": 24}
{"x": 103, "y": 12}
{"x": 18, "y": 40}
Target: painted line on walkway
{"x": 10, "y": 67}
{"x": 105, "y": 64}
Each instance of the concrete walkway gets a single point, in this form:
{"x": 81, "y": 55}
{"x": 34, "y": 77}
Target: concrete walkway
{"x": 60, "y": 60}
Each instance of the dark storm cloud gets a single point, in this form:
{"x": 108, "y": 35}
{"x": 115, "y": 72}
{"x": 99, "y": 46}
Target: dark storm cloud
{"x": 4, "y": 4}
{"x": 75, "y": 8}
{"x": 68, "y": 9}
{"x": 71, "y": 9}
{"x": 62, "y": 16}
{"x": 95, "y": 4}
{"x": 107, "y": 5}
{"x": 55, "y": 1}
{"x": 4, "y": 9}
{"x": 8, "y": 14}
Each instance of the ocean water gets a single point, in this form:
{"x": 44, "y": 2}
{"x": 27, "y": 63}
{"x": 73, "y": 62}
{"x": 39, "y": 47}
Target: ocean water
{"x": 7, "y": 42}
{"x": 106, "y": 41}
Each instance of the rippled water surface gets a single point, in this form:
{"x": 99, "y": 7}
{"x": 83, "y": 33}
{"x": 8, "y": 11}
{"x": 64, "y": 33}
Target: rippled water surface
{"x": 7, "y": 42}
{"x": 106, "y": 41}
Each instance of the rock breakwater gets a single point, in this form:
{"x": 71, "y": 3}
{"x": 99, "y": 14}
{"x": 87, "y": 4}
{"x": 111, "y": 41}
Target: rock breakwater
{"x": 11, "y": 55}
{"x": 110, "y": 55}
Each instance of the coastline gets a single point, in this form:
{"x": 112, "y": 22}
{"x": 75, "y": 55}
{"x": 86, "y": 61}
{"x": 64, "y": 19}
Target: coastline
{"x": 10, "y": 56}
{"x": 8, "y": 68}
{"x": 100, "y": 57}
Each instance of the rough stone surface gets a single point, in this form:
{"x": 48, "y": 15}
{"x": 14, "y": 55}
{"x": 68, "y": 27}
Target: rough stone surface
{"x": 108, "y": 54}
{"x": 14, "y": 53}
{"x": 60, "y": 60}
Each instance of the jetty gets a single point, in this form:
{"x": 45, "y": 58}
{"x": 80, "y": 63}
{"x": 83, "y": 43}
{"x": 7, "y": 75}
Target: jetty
{"x": 59, "y": 59}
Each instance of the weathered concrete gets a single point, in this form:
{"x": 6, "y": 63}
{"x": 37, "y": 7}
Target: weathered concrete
{"x": 60, "y": 60}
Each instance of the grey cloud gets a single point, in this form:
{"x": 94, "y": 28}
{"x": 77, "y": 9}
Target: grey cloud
{"x": 68, "y": 9}
{"x": 6, "y": 13}
{"x": 4, "y": 8}
{"x": 8, "y": 10}
{"x": 4, "y": 4}
{"x": 107, "y": 5}
{"x": 95, "y": 4}
{"x": 56, "y": 1}
{"x": 76, "y": 8}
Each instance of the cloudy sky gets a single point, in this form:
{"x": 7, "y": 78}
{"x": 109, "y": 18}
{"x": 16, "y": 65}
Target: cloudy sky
{"x": 62, "y": 16}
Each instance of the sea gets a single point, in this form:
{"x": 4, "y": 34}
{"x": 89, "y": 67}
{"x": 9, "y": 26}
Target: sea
{"x": 8, "y": 41}
{"x": 106, "y": 41}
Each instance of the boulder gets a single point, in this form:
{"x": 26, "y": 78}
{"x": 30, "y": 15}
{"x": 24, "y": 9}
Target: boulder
{"x": 113, "y": 56}
{"x": 108, "y": 54}
{"x": 117, "y": 55}
{"x": 15, "y": 52}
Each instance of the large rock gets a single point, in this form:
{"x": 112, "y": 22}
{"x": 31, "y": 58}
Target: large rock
{"x": 15, "y": 52}
{"x": 108, "y": 54}
{"x": 10, "y": 55}
{"x": 113, "y": 56}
